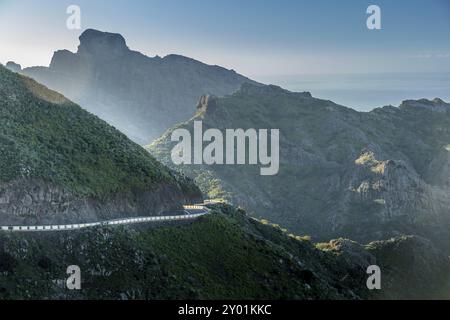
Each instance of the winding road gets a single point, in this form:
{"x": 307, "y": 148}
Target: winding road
{"x": 190, "y": 212}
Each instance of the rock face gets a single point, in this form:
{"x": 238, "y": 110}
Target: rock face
{"x": 363, "y": 176}
{"x": 411, "y": 267}
{"x": 61, "y": 164}
{"x": 102, "y": 44}
{"x": 140, "y": 96}
{"x": 406, "y": 258}
{"x": 30, "y": 202}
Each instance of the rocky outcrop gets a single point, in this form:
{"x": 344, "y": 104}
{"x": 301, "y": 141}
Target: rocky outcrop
{"x": 411, "y": 267}
{"x": 99, "y": 44}
{"x": 435, "y": 105}
{"x": 389, "y": 192}
{"x": 14, "y": 67}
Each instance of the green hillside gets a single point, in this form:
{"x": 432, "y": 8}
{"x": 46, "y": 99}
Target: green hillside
{"x": 45, "y": 136}
{"x": 225, "y": 255}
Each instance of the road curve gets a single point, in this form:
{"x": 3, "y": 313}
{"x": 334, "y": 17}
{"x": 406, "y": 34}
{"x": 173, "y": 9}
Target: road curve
{"x": 190, "y": 212}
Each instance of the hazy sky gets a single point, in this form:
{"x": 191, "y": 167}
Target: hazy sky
{"x": 254, "y": 37}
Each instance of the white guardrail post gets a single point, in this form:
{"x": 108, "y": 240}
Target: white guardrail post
{"x": 67, "y": 227}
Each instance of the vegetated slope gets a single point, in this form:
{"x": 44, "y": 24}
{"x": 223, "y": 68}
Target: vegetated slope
{"x": 225, "y": 255}
{"x": 60, "y": 163}
{"x": 343, "y": 173}
{"x": 139, "y": 95}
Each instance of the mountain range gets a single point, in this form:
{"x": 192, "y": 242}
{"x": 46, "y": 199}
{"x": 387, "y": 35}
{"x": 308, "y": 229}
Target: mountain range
{"x": 363, "y": 175}
{"x": 366, "y": 176}
{"x": 381, "y": 178}
{"x": 139, "y": 95}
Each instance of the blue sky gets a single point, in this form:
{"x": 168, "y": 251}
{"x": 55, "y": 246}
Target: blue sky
{"x": 254, "y": 37}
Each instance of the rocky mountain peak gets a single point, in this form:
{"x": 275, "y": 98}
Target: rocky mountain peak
{"x": 139, "y": 95}
{"x": 437, "y": 105}
{"x": 14, "y": 67}
{"x": 102, "y": 43}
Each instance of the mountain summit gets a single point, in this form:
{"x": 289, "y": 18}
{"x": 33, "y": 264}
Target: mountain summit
{"x": 139, "y": 95}
{"x": 97, "y": 42}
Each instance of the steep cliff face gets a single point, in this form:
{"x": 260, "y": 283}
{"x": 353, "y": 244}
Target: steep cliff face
{"x": 364, "y": 176}
{"x": 61, "y": 164}
{"x": 38, "y": 202}
{"x": 139, "y": 95}
{"x": 411, "y": 267}
{"x": 393, "y": 194}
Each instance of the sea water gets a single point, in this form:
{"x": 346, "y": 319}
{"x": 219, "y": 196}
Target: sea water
{"x": 365, "y": 92}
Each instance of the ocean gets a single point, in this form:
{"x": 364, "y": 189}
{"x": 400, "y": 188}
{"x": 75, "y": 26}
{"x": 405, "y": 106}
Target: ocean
{"x": 365, "y": 92}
